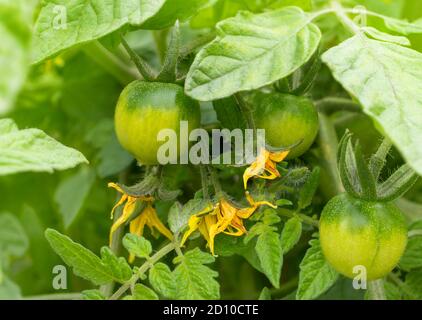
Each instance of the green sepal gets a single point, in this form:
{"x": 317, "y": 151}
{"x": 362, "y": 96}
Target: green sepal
{"x": 168, "y": 72}
{"x": 397, "y": 184}
{"x": 366, "y": 180}
{"x": 378, "y": 159}
{"x": 347, "y": 165}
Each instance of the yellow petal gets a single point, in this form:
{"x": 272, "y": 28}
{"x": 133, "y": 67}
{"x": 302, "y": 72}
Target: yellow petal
{"x": 128, "y": 210}
{"x": 155, "y": 222}
{"x": 119, "y": 203}
{"x": 279, "y": 155}
{"x": 116, "y": 186}
{"x": 193, "y": 225}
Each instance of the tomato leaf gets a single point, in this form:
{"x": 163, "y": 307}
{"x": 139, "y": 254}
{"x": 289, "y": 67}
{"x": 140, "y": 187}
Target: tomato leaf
{"x": 198, "y": 279}
{"x": 270, "y": 254}
{"x": 316, "y": 275}
{"x": 386, "y": 79}
{"x": 412, "y": 257}
{"x": 136, "y": 245}
{"x": 252, "y": 51}
{"x": 33, "y": 150}
{"x": 161, "y": 279}
{"x": 141, "y": 292}
{"x": 291, "y": 233}
{"x": 85, "y": 263}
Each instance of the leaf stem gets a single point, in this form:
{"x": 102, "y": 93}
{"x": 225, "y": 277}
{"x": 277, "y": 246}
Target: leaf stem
{"x": 306, "y": 219}
{"x": 216, "y": 183}
{"x": 347, "y": 22}
{"x": 376, "y": 290}
{"x": 329, "y": 105}
{"x": 143, "y": 67}
{"x": 328, "y": 142}
{"x": 142, "y": 269}
{"x": 204, "y": 182}
{"x": 111, "y": 63}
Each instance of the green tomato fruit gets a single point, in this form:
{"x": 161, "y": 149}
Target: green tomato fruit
{"x": 144, "y": 109}
{"x": 355, "y": 232}
{"x": 287, "y": 120}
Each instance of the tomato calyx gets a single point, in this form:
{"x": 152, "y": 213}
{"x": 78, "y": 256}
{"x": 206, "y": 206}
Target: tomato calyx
{"x": 361, "y": 179}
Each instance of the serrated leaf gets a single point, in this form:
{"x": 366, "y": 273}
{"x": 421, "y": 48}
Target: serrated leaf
{"x": 137, "y": 245}
{"x": 412, "y": 257}
{"x": 71, "y": 194}
{"x": 141, "y": 292}
{"x": 252, "y": 51}
{"x": 93, "y": 294}
{"x": 117, "y": 267}
{"x": 270, "y": 254}
{"x": 308, "y": 190}
{"x": 161, "y": 279}
{"x": 291, "y": 233}
{"x": 13, "y": 239}
{"x": 316, "y": 275}
{"x": 387, "y": 80}
{"x": 33, "y": 150}
{"x": 14, "y": 60}
{"x": 198, "y": 280}
{"x": 402, "y": 26}
{"x": 86, "y": 264}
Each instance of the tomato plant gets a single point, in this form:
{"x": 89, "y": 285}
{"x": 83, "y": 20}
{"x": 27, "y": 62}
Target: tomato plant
{"x": 210, "y": 149}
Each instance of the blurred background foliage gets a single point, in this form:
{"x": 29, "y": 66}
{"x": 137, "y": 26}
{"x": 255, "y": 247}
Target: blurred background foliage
{"x": 72, "y": 99}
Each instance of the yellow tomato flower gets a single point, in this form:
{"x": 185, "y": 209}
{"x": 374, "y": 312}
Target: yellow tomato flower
{"x": 264, "y": 166}
{"x": 148, "y": 216}
{"x": 224, "y": 217}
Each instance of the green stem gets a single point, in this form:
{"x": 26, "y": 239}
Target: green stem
{"x": 306, "y": 219}
{"x": 347, "y": 22}
{"x": 204, "y": 182}
{"x": 376, "y": 290}
{"x": 328, "y": 142}
{"x": 56, "y": 296}
{"x": 332, "y": 104}
{"x": 112, "y": 64}
{"x": 246, "y": 111}
{"x": 142, "y": 269}
{"x": 216, "y": 182}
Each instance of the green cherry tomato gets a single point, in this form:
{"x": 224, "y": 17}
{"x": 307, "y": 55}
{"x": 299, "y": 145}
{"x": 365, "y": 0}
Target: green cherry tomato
{"x": 287, "y": 120}
{"x": 144, "y": 109}
{"x": 355, "y": 232}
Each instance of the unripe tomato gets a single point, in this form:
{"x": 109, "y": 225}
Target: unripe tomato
{"x": 287, "y": 120}
{"x": 144, "y": 109}
{"x": 355, "y": 232}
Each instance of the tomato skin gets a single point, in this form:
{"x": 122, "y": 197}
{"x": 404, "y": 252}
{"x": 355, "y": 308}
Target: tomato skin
{"x": 357, "y": 232}
{"x": 144, "y": 109}
{"x": 287, "y": 120}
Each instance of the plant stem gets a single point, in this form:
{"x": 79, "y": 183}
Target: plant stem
{"x": 142, "y": 269}
{"x": 216, "y": 182}
{"x": 328, "y": 142}
{"x": 306, "y": 219}
{"x": 56, "y": 296}
{"x": 160, "y": 38}
{"x": 204, "y": 182}
{"x": 376, "y": 290}
{"x": 332, "y": 104}
{"x": 111, "y": 63}
{"x": 347, "y": 22}
{"x": 246, "y": 111}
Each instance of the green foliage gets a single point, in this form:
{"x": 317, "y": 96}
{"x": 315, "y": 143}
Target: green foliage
{"x": 32, "y": 150}
{"x": 85, "y": 263}
{"x": 275, "y": 43}
{"x": 136, "y": 245}
{"x": 412, "y": 257}
{"x": 141, "y": 292}
{"x": 162, "y": 280}
{"x": 316, "y": 275}
{"x": 291, "y": 234}
{"x": 198, "y": 279}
